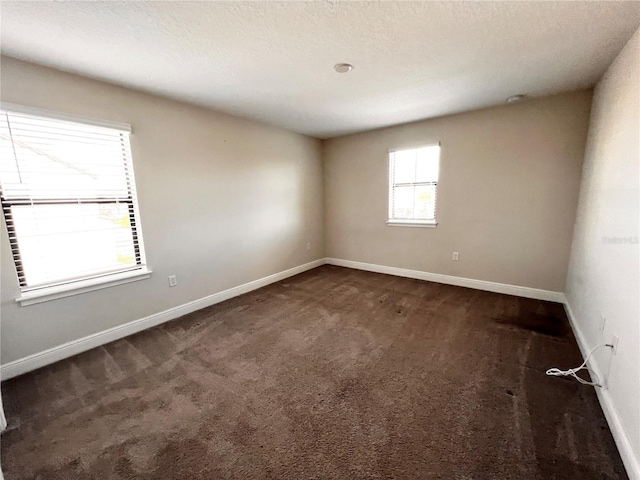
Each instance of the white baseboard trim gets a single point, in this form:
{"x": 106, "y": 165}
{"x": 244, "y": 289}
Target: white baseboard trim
{"x": 451, "y": 280}
{"x": 628, "y": 455}
{"x": 37, "y": 360}
{"x": 52, "y": 355}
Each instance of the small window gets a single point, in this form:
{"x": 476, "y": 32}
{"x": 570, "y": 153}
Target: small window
{"x": 69, "y": 200}
{"x": 413, "y": 183}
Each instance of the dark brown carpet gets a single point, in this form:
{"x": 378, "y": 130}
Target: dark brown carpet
{"x": 332, "y": 374}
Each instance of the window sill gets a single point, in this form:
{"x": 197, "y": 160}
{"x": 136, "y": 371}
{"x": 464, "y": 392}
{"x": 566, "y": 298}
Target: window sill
{"x": 412, "y": 223}
{"x": 46, "y": 294}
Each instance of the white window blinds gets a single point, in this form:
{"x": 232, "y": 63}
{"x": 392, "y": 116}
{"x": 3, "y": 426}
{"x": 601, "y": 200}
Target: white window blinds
{"x": 413, "y": 181}
{"x": 68, "y": 198}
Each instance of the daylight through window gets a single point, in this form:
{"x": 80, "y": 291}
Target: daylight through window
{"x": 68, "y": 198}
{"x": 413, "y": 181}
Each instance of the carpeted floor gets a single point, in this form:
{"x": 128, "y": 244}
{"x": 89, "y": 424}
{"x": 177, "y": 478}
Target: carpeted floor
{"x": 332, "y": 374}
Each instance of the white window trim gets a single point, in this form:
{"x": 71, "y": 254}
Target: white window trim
{"x": 55, "y": 292}
{"x": 76, "y": 287}
{"x": 412, "y": 223}
{"x": 397, "y": 222}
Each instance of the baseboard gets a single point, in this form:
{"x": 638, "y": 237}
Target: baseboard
{"x": 451, "y": 280}
{"x": 41, "y": 359}
{"x": 628, "y": 455}
{"x": 38, "y": 360}
{"x": 32, "y": 362}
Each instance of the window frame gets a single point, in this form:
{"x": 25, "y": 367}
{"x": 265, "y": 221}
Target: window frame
{"x": 398, "y": 222}
{"x": 67, "y": 287}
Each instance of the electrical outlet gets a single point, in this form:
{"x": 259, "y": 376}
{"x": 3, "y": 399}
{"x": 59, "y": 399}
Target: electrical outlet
{"x": 455, "y": 255}
{"x": 308, "y": 246}
{"x": 173, "y": 280}
{"x": 614, "y": 343}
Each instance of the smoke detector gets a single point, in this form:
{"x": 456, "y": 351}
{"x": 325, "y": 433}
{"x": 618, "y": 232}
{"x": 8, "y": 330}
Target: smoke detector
{"x": 343, "y": 67}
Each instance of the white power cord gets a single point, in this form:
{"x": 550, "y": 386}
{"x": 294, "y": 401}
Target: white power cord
{"x": 573, "y": 372}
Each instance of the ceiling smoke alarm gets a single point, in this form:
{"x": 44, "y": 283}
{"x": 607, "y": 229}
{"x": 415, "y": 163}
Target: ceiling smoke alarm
{"x": 343, "y": 67}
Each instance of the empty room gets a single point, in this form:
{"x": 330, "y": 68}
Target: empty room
{"x": 320, "y": 240}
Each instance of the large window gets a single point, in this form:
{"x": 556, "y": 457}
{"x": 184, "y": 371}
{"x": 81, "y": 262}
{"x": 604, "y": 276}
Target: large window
{"x": 413, "y": 182}
{"x": 69, "y": 200}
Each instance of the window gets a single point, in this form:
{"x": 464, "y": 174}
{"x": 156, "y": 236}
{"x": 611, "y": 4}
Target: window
{"x": 69, "y": 201}
{"x": 413, "y": 181}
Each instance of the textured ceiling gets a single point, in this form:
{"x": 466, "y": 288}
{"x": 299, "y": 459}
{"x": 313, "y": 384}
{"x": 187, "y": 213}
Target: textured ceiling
{"x": 273, "y": 61}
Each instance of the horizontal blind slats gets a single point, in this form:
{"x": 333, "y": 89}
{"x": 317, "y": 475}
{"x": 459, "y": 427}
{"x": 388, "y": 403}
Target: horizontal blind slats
{"x": 413, "y": 179}
{"x": 69, "y": 200}
{"x": 52, "y": 123}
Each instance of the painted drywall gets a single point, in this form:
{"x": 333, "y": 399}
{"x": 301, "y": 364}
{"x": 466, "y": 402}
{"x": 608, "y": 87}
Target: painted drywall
{"x": 604, "y": 273}
{"x": 272, "y": 61}
{"x": 507, "y": 193}
{"x": 223, "y": 201}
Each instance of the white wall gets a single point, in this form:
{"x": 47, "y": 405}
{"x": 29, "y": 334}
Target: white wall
{"x": 223, "y": 201}
{"x": 604, "y": 273}
{"x": 507, "y": 195}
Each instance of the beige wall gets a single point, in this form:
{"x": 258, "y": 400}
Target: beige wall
{"x": 507, "y": 195}
{"x": 223, "y": 201}
{"x": 604, "y": 277}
